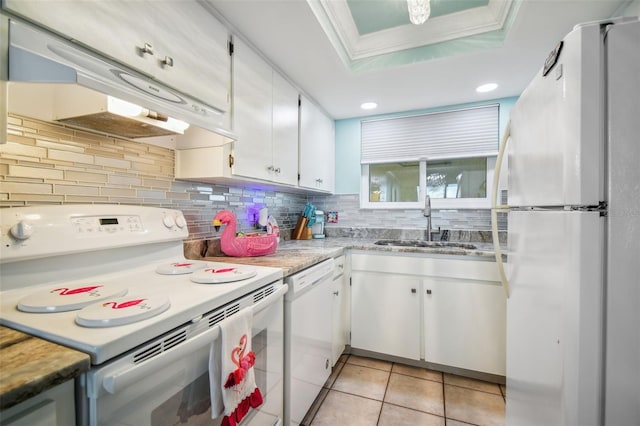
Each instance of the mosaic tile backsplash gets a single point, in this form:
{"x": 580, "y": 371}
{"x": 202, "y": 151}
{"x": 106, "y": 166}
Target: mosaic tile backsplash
{"x": 45, "y": 163}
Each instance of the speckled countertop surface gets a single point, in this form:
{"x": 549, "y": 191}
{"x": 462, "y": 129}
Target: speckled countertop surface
{"x": 295, "y": 255}
{"x": 29, "y": 366}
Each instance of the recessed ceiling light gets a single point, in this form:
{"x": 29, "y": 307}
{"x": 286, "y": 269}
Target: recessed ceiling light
{"x": 486, "y": 87}
{"x": 369, "y": 105}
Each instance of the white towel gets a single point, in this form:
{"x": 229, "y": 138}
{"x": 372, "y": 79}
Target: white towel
{"x": 231, "y": 377}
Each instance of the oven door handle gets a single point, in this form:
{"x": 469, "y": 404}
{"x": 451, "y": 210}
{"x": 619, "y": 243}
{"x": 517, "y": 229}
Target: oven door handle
{"x": 118, "y": 380}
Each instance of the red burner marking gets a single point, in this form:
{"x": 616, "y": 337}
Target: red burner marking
{"x": 67, "y": 291}
{"x": 219, "y": 271}
{"x": 123, "y": 305}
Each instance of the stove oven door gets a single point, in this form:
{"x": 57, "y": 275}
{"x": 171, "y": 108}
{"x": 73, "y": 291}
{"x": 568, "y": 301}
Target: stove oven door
{"x": 173, "y": 388}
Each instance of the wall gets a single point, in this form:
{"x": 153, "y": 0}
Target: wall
{"x": 350, "y": 215}
{"x": 346, "y": 200}
{"x": 348, "y": 141}
{"x": 633, "y": 9}
{"x": 45, "y": 163}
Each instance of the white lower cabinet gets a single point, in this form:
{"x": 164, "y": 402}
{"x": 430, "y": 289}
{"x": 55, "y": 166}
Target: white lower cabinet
{"x": 53, "y": 407}
{"x": 443, "y": 311}
{"x": 340, "y": 311}
{"x": 464, "y": 324}
{"x": 385, "y": 313}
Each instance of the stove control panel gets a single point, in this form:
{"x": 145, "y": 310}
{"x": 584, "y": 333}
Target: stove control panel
{"x": 43, "y": 231}
{"x": 94, "y": 225}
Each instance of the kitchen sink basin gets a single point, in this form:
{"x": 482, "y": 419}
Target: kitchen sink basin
{"x": 425, "y": 244}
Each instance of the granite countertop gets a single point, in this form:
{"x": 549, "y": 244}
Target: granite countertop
{"x": 295, "y": 255}
{"x": 30, "y": 365}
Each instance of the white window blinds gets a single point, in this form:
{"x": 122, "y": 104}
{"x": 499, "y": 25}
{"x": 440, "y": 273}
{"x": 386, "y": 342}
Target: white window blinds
{"x": 469, "y": 132}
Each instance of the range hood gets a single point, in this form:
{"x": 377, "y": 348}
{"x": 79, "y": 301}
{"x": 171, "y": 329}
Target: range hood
{"x": 54, "y": 80}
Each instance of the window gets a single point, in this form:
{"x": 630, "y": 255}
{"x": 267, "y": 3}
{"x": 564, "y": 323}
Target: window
{"x": 394, "y": 182}
{"x": 457, "y": 178}
{"x": 448, "y": 155}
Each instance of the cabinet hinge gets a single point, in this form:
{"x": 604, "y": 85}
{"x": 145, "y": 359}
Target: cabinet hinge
{"x": 230, "y": 47}
{"x": 230, "y": 160}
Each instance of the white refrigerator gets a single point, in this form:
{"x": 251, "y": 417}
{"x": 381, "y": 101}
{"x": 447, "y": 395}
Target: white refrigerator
{"x": 573, "y": 268}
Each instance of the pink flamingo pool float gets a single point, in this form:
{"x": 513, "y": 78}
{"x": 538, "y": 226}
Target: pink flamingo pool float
{"x": 242, "y": 246}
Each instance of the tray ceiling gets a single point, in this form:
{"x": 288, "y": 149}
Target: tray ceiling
{"x": 342, "y": 53}
{"x": 369, "y": 34}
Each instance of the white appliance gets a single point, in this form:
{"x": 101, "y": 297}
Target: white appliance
{"x": 112, "y": 281}
{"x": 573, "y": 346}
{"x": 308, "y": 338}
{"x": 317, "y": 229}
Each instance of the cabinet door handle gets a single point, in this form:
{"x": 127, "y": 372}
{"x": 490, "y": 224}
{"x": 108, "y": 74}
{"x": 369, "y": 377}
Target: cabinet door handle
{"x": 277, "y": 170}
{"x": 335, "y": 293}
{"x": 429, "y": 291}
{"x": 318, "y": 180}
{"x": 167, "y": 61}
{"x": 146, "y": 48}
{"x": 413, "y": 290}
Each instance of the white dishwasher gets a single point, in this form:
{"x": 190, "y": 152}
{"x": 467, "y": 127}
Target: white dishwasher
{"x": 308, "y": 336}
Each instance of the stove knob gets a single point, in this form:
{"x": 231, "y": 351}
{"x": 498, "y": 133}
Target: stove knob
{"x": 168, "y": 221}
{"x": 21, "y": 230}
{"x": 181, "y": 222}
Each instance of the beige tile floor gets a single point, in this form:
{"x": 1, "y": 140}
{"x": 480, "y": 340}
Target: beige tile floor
{"x": 368, "y": 392}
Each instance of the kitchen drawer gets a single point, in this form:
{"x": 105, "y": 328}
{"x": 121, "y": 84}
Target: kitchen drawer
{"x": 407, "y": 264}
{"x": 338, "y": 266}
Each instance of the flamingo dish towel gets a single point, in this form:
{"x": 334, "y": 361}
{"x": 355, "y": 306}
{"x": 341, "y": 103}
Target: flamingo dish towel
{"x": 231, "y": 374}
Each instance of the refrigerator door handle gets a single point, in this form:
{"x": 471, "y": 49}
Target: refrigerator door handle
{"x": 495, "y": 208}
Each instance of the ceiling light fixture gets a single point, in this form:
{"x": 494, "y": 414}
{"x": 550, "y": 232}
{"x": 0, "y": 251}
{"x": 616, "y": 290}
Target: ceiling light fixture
{"x": 419, "y": 11}
{"x": 486, "y": 87}
{"x": 369, "y": 105}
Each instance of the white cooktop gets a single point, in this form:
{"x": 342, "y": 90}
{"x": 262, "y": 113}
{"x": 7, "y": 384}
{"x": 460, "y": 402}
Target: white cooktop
{"x": 188, "y": 301}
{"x": 69, "y": 265}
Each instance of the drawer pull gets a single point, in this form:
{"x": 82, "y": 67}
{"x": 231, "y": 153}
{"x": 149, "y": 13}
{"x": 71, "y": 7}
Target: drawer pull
{"x": 146, "y": 49}
{"x": 167, "y": 61}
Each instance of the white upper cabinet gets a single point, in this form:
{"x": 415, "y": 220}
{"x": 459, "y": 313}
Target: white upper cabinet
{"x": 285, "y": 130}
{"x": 176, "y": 42}
{"x": 265, "y": 118}
{"x": 317, "y": 148}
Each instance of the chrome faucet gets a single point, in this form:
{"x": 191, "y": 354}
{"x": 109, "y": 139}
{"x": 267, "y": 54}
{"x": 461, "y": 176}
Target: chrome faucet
{"x": 427, "y": 214}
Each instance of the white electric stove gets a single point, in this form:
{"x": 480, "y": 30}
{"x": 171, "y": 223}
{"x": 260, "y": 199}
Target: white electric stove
{"x": 112, "y": 281}
{"x": 105, "y": 278}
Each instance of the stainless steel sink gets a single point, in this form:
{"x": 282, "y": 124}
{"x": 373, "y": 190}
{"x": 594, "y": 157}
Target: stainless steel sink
{"x": 425, "y": 244}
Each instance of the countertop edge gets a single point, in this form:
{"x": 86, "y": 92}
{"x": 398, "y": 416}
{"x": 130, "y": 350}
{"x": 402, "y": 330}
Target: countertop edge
{"x": 296, "y": 255}
{"x": 47, "y": 365}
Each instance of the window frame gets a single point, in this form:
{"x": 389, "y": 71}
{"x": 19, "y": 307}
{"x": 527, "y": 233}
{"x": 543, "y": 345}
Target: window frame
{"x": 436, "y": 203}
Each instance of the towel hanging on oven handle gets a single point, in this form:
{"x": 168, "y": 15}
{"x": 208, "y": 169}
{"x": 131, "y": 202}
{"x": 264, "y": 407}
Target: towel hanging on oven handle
{"x": 119, "y": 380}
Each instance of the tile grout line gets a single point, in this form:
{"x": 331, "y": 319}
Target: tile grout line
{"x": 390, "y": 371}
{"x": 444, "y": 400}
{"x": 384, "y": 396}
